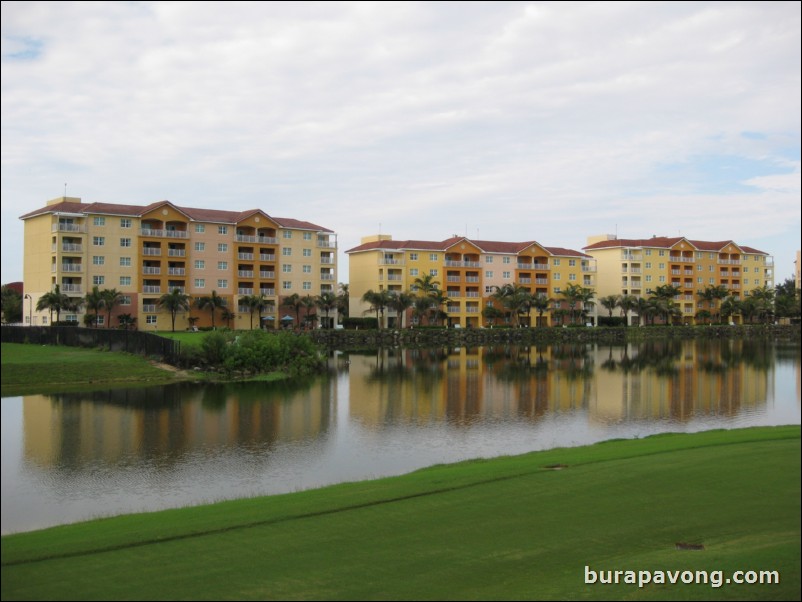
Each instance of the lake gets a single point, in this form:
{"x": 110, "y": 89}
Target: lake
{"x": 71, "y": 457}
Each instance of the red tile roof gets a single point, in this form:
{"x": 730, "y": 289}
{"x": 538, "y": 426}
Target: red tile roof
{"x": 487, "y": 246}
{"x": 664, "y": 242}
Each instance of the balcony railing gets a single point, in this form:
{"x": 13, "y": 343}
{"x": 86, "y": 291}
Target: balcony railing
{"x": 245, "y": 291}
{"x": 463, "y": 264}
{"x": 246, "y": 256}
{"x": 267, "y": 275}
{"x": 729, "y": 261}
{"x": 525, "y": 280}
{"x": 453, "y": 294}
{"x": 151, "y": 271}
{"x": 71, "y": 248}
{"x": 245, "y": 273}
{"x": 176, "y": 271}
{"x": 263, "y": 240}
{"x": 176, "y": 252}
{"x": 541, "y": 280}
{"x": 390, "y": 261}
{"x": 151, "y": 289}
{"x": 331, "y": 277}
{"x": 71, "y": 288}
{"x": 69, "y": 228}
{"x": 163, "y": 233}
{"x": 541, "y": 266}
{"x": 326, "y": 260}
{"x": 149, "y": 308}
{"x": 267, "y": 257}
{"x": 676, "y": 259}
{"x": 151, "y": 251}
{"x": 472, "y": 279}
{"x": 326, "y": 244}
{"x": 72, "y": 267}
{"x": 267, "y": 292}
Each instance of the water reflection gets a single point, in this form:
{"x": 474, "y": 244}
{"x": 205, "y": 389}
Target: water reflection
{"x": 73, "y": 456}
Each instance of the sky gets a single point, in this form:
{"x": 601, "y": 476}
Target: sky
{"x": 512, "y": 121}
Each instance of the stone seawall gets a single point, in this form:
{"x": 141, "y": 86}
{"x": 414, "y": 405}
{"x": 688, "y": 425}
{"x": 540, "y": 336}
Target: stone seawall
{"x": 433, "y": 337}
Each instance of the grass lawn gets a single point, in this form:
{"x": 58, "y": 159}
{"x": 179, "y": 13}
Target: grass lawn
{"x": 42, "y": 368}
{"x": 507, "y": 528}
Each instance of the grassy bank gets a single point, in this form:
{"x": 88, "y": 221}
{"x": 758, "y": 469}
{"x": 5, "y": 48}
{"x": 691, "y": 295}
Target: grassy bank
{"x": 42, "y": 369}
{"x": 508, "y": 528}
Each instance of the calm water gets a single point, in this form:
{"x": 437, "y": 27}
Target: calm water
{"x": 71, "y": 457}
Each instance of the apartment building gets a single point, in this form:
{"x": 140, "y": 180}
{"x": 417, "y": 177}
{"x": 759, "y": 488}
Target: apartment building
{"x": 467, "y": 271}
{"x": 639, "y": 266}
{"x": 146, "y": 251}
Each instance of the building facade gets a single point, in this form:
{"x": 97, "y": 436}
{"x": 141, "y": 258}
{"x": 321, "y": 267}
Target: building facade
{"x": 144, "y": 252}
{"x": 467, "y": 271}
{"x": 639, "y": 266}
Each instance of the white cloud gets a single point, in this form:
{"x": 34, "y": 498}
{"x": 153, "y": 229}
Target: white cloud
{"x": 549, "y": 121}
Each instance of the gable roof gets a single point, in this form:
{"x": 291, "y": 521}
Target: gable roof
{"x": 486, "y": 246}
{"x": 665, "y": 242}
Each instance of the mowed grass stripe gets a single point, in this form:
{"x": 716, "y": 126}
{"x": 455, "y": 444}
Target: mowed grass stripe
{"x": 520, "y": 537}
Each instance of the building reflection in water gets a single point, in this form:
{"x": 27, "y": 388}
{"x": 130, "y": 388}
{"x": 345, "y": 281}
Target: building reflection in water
{"x": 677, "y": 380}
{"x": 161, "y": 424}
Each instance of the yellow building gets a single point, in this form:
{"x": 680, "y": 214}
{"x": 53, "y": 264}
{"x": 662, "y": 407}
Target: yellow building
{"x": 147, "y": 251}
{"x": 639, "y": 266}
{"x": 466, "y": 271}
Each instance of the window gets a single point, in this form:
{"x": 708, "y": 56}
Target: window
{"x": 125, "y": 300}
{"x": 286, "y": 285}
{"x": 98, "y": 280}
{"x": 557, "y": 291}
{"x": 100, "y": 319}
{"x": 648, "y": 277}
{"x": 98, "y": 260}
{"x": 710, "y": 268}
{"x": 125, "y": 262}
{"x": 661, "y": 266}
{"x": 222, "y": 229}
{"x": 413, "y": 257}
{"x": 433, "y": 272}
{"x": 125, "y": 281}
{"x": 746, "y": 280}
{"x": 125, "y": 242}
{"x": 200, "y": 228}
{"x": 488, "y": 259}
{"x": 506, "y": 275}
{"x": 555, "y": 262}
{"x": 99, "y": 221}
{"x": 648, "y": 265}
{"x": 200, "y": 264}
{"x": 286, "y": 251}
{"x": 150, "y": 320}
{"x": 286, "y": 268}
{"x": 307, "y": 236}
{"x": 556, "y": 276}
{"x": 432, "y": 256}
{"x": 572, "y": 262}
{"x": 711, "y": 255}
{"x": 222, "y": 265}
{"x": 648, "y": 252}
{"x": 571, "y": 276}
{"x": 699, "y": 268}
{"x": 712, "y": 280}
{"x": 307, "y": 286}
{"x": 489, "y": 274}
{"x": 699, "y": 254}
{"x": 307, "y": 269}
{"x": 661, "y": 252}
{"x": 307, "y": 252}
{"x": 506, "y": 260}
{"x": 489, "y": 289}
{"x": 662, "y": 278}
{"x": 222, "y": 283}
{"x": 413, "y": 272}
{"x": 98, "y": 241}
{"x": 699, "y": 280}
{"x": 125, "y": 222}
{"x": 222, "y": 247}
{"x": 200, "y": 282}
{"x": 287, "y": 234}
{"x": 200, "y": 246}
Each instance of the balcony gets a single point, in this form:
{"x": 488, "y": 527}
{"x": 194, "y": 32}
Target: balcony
{"x": 453, "y": 294}
{"x": 267, "y": 275}
{"x": 72, "y": 267}
{"x": 267, "y": 292}
{"x": 463, "y": 264}
{"x": 152, "y": 289}
{"x": 152, "y": 271}
{"x": 163, "y": 233}
{"x": 541, "y": 280}
{"x": 266, "y": 257}
{"x": 72, "y": 248}
{"x": 71, "y": 288}
{"x": 245, "y": 274}
{"x": 326, "y": 260}
{"x": 176, "y": 271}
{"x": 631, "y": 257}
{"x": 541, "y": 266}
{"x": 331, "y": 277}
{"x": 245, "y": 291}
{"x": 322, "y": 242}
{"x": 245, "y": 256}
{"x": 729, "y": 262}
{"x": 472, "y": 279}
{"x": 149, "y": 308}
{"x": 176, "y": 253}
{"x": 390, "y": 261}
{"x": 682, "y": 259}
{"x": 525, "y": 280}
{"x": 453, "y": 279}
{"x": 262, "y": 240}
{"x": 151, "y": 251}
{"x": 592, "y": 268}
{"x": 69, "y": 228}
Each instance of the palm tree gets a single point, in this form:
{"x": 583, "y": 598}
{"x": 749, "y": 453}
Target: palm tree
{"x": 127, "y": 321}
{"x": 94, "y": 302}
{"x": 378, "y": 301}
{"x": 309, "y": 303}
{"x": 425, "y": 284}
{"x": 437, "y": 299}
{"x": 610, "y": 302}
{"x": 729, "y": 307}
{"x": 575, "y": 294}
{"x": 763, "y": 298}
{"x": 343, "y": 300}
{"x": 515, "y": 299}
{"x": 400, "y": 302}
{"x": 54, "y": 301}
{"x": 111, "y": 299}
{"x": 711, "y": 294}
{"x": 174, "y": 302}
{"x": 294, "y": 301}
{"x": 227, "y": 315}
{"x": 211, "y": 302}
{"x": 326, "y": 302}
{"x": 541, "y": 303}
{"x": 627, "y": 303}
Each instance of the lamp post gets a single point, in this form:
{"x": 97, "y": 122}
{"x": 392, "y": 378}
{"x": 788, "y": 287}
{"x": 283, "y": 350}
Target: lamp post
{"x": 30, "y": 309}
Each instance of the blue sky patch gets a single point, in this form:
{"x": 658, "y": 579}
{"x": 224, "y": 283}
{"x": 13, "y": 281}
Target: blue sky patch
{"x": 22, "y": 48}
